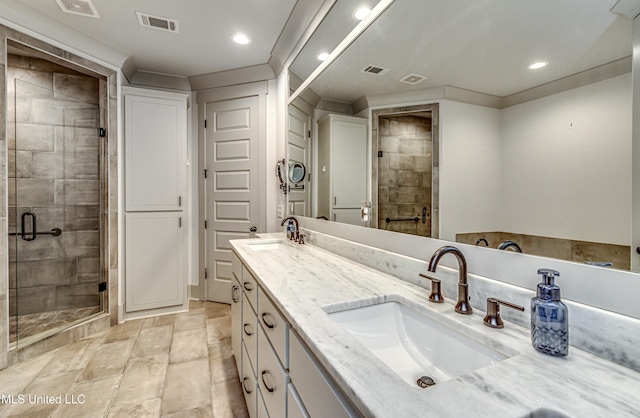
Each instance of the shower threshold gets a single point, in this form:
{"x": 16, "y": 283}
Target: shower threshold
{"x": 36, "y": 327}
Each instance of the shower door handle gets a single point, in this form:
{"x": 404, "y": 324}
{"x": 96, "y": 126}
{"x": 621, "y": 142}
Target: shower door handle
{"x": 33, "y": 233}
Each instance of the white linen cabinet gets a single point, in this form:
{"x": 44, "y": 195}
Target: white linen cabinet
{"x": 155, "y": 142}
{"x": 342, "y": 167}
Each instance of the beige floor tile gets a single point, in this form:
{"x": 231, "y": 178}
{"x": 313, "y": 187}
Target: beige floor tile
{"x": 228, "y": 400}
{"x": 221, "y": 349}
{"x": 92, "y": 398}
{"x": 188, "y": 346}
{"x": 153, "y": 341}
{"x": 127, "y": 331}
{"x": 218, "y": 329}
{"x": 186, "y": 386}
{"x": 217, "y": 310}
{"x": 204, "y": 412}
{"x": 71, "y": 357}
{"x": 145, "y": 409}
{"x": 222, "y": 364}
{"x": 35, "y": 404}
{"x": 158, "y": 321}
{"x": 14, "y": 379}
{"x": 108, "y": 360}
{"x": 185, "y": 322}
{"x": 143, "y": 380}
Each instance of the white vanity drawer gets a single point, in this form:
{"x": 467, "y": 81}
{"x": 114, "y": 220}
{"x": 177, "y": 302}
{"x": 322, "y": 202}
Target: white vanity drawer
{"x": 249, "y": 387}
{"x": 275, "y": 327}
{"x": 272, "y": 378}
{"x": 250, "y": 286}
{"x": 317, "y": 392}
{"x": 250, "y": 332}
{"x": 295, "y": 407}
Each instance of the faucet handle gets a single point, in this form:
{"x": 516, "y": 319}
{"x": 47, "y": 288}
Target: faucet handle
{"x": 492, "y": 319}
{"x": 436, "y": 295}
{"x": 301, "y": 239}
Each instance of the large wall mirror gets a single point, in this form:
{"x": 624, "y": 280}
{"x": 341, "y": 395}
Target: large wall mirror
{"x": 476, "y": 121}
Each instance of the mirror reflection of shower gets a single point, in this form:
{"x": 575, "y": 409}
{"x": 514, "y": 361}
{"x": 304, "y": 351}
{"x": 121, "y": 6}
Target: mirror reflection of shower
{"x": 405, "y": 172}
{"x": 55, "y": 197}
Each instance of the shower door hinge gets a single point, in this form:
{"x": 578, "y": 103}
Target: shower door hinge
{"x": 205, "y": 124}
{"x": 309, "y": 133}
{"x": 205, "y": 224}
{"x": 102, "y": 286}
{"x": 205, "y": 173}
{"x": 206, "y": 275}
{"x": 102, "y": 132}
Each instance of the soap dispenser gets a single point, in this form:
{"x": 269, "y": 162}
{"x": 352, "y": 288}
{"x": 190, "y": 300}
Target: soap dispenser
{"x": 549, "y": 317}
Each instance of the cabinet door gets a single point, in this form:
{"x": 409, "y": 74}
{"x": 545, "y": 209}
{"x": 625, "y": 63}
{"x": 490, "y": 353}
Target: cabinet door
{"x": 155, "y": 150}
{"x": 348, "y": 164}
{"x": 236, "y": 321}
{"x": 155, "y": 260}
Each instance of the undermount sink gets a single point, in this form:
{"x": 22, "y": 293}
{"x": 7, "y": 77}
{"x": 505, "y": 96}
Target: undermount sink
{"x": 414, "y": 345}
{"x": 265, "y": 244}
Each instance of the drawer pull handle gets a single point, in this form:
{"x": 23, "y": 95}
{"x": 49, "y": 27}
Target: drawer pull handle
{"x": 271, "y": 326}
{"x": 234, "y": 294}
{"x": 245, "y": 329}
{"x": 247, "y": 391}
{"x": 248, "y": 286}
{"x": 265, "y": 383}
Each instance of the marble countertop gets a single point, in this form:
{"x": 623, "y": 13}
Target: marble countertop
{"x": 304, "y": 279}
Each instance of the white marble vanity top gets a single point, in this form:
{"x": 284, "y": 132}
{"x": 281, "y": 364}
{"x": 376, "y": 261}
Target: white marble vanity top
{"x": 304, "y": 279}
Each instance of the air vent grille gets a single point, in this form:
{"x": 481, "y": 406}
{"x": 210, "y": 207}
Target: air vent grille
{"x": 375, "y": 70}
{"x": 79, "y": 7}
{"x": 157, "y": 22}
{"x": 413, "y": 79}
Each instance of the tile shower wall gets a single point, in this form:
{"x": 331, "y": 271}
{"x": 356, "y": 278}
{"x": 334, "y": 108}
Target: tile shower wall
{"x": 564, "y": 249}
{"x": 405, "y": 173}
{"x": 53, "y": 158}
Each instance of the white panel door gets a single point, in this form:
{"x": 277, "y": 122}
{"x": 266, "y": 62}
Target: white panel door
{"x": 155, "y": 265}
{"x": 231, "y": 186}
{"x": 155, "y": 147}
{"x": 349, "y": 164}
{"x": 299, "y": 150}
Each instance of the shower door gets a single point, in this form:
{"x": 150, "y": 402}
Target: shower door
{"x": 55, "y": 198}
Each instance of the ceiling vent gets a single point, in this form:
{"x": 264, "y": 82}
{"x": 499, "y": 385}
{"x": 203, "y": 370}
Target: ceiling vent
{"x": 157, "y": 22}
{"x": 375, "y": 70}
{"x": 413, "y": 79}
{"x": 79, "y": 7}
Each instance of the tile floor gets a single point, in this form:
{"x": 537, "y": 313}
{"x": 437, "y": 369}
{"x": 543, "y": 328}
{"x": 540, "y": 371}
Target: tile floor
{"x": 169, "y": 366}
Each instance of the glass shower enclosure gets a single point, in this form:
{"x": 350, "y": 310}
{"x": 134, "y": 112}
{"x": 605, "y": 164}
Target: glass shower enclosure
{"x": 55, "y": 202}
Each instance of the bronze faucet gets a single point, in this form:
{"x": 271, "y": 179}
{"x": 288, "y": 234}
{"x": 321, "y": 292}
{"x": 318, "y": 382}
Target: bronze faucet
{"x": 296, "y": 238}
{"x": 463, "y": 306}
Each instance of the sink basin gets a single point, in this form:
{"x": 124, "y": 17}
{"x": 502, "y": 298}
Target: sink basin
{"x": 545, "y": 413}
{"x": 265, "y": 244}
{"x": 414, "y": 345}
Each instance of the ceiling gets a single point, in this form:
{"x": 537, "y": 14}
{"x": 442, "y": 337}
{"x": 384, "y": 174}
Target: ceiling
{"x": 203, "y": 44}
{"x": 480, "y": 45}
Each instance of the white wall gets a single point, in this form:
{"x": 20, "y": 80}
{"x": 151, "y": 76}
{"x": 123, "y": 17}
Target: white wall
{"x": 576, "y": 147}
{"x": 470, "y": 167}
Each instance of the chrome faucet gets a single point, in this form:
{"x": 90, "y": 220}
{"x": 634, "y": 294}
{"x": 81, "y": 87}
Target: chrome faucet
{"x": 296, "y": 238}
{"x": 504, "y": 245}
{"x": 463, "y": 306}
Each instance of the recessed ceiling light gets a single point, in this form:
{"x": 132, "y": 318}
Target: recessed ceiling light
{"x": 538, "y": 65}
{"x": 323, "y": 56}
{"x": 361, "y": 13}
{"x": 241, "y": 38}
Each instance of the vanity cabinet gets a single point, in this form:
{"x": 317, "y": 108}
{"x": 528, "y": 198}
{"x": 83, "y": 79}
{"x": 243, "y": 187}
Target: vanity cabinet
{"x": 342, "y": 167}
{"x": 272, "y": 360}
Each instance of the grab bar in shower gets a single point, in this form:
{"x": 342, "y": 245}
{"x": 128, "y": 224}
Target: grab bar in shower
{"x": 30, "y": 236}
{"x": 416, "y": 220}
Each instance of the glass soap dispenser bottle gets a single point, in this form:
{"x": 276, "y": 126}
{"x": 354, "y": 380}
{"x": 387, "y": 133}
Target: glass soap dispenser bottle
{"x": 549, "y": 317}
